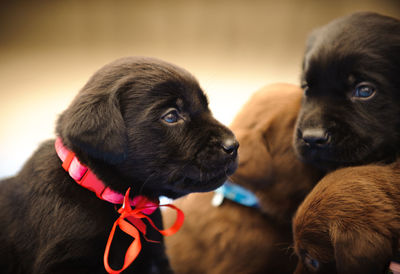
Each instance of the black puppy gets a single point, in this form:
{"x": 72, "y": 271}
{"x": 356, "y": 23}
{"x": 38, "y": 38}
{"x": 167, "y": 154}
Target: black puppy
{"x": 350, "y": 113}
{"x": 139, "y": 123}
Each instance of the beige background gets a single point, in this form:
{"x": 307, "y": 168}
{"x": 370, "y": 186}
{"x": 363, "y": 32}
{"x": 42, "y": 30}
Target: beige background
{"x": 48, "y": 49}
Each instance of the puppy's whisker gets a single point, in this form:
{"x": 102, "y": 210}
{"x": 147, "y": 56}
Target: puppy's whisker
{"x": 179, "y": 170}
{"x": 285, "y": 247}
{"x": 290, "y": 250}
{"x": 145, "y": 182}
{"x": 292, "y": 254}
{"x": 201, "y": 176}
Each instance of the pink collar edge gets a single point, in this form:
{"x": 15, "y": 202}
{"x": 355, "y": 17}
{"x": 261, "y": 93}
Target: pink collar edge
{"x": 86, "y": 178}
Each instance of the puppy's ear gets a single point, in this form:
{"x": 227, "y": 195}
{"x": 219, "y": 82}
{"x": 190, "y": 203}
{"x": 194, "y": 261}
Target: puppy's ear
{"x": 253, "y": 153}
{"x": 361, "y": 251}
{"x": 93, "y": 124}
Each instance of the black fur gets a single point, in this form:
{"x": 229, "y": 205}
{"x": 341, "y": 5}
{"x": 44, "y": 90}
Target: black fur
{"x": 360, "y": 48}
{"x": 116, "y": 126}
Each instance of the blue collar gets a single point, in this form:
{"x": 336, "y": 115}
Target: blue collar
{"x": 235, "y": 193}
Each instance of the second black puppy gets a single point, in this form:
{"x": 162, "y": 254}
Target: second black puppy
{"x": 138, "y": 123}
{"x": 350, "y": 113}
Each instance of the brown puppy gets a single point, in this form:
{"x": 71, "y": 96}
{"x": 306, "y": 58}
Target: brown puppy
{"x": 233, "y": 238}
{"x": 350, "y": 222}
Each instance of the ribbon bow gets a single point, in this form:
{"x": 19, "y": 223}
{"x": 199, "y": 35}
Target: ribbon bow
{"x": 135, "y": 226}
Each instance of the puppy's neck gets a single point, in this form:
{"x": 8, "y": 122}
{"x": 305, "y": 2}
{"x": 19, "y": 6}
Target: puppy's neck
{"x": 87, "y": 179}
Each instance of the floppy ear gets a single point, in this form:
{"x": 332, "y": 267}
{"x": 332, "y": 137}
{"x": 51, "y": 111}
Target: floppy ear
{"x": 93, "y": 124}
{"x": 254, "y": 158}
{"x": 361, "y": 251}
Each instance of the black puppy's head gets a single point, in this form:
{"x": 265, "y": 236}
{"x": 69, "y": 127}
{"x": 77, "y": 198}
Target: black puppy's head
{"x": 144, "y": 123}
{"x": 350, "y": 112}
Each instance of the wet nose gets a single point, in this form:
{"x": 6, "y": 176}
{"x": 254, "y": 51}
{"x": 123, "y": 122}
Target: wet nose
{"x": 316, "y": 137}
{"x": 230, "y": 145}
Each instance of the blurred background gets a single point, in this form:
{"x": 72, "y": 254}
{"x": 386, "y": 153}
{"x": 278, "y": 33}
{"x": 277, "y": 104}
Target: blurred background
{"x": 49, "y": 49}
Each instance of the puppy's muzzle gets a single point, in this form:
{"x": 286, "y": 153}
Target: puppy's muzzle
{"x": 315, "y": 137}
{"x": 228, "y": 152}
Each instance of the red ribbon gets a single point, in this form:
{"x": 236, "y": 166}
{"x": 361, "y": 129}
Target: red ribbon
{"x": 134, "y": 227}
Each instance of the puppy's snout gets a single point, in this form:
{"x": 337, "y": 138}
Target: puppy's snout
{"x": 230, "y": 145}
{"x": 316, "y": 137}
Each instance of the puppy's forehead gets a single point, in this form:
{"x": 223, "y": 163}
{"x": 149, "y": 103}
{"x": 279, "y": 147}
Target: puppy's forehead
{"x": 181, "y": 93}
{"x": 361, "y": 40}
{"x": 194, "y": 99}
{"x": 178, "y": 85}
{"x": 154, "y": 81}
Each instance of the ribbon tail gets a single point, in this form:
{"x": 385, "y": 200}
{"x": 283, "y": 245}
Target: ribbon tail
{"x": 133, "y": 250}
{"x": 180, "y": 217}
{"x": 107, "y": 250}
{"x": 133, "y": 229}
{"x": 175, "y": 227}
{"x": 138, "y": 223}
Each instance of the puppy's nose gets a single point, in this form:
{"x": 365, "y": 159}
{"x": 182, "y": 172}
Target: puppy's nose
{"x": 230, "y": 145}
{"x": 316, "y": 137}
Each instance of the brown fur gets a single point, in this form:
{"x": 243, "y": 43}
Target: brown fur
{"x": 236, "y": 239}
{"x": 350, "y": 222}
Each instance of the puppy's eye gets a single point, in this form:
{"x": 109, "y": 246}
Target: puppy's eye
{"x": 364, "y": 90}
{"x": 311, "y": 263}
{"x": 171, "y": 117}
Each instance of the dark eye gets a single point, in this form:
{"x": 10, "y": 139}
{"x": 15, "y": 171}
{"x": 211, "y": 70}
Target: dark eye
{"x": 364, "y": 90}
{"x": 171, "y": 117}
{"x": 311, "y": 263}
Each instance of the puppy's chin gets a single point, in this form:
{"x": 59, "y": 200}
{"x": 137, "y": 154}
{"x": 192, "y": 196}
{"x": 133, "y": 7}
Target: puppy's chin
{"x": 187, "y": 185}
{"x": 316, "y": 157}
{"x": 195, "y": 179}
{"x": 331, "y": 157}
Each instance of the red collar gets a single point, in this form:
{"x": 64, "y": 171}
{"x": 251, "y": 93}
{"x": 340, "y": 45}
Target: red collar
{"x": 86, "y": 178}
{"x": 130, "y": 220}
{"x": 394, "y": 267}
